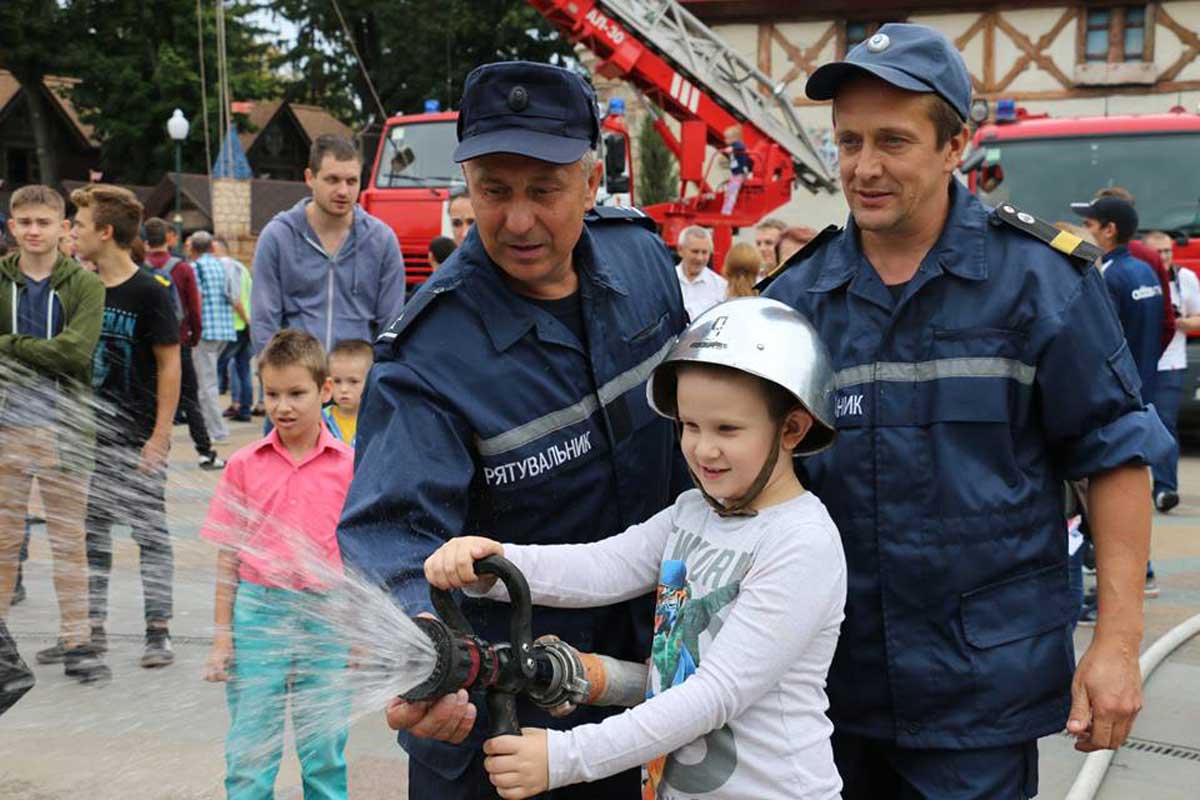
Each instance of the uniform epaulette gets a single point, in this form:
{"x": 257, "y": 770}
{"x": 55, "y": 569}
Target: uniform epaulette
{"x": 620, "y": 214}
{"x": 814, "y": 244}
{"x": 412, "y": 309}
{"x": 1084, "y": 253}
{"x": 162, "y": 280}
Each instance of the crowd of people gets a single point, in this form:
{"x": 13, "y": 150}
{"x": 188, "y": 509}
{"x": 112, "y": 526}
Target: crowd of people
{"x": 820, "y": 493}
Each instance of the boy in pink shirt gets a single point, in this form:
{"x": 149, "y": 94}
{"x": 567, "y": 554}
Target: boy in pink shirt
{"x": 275, "y": 515}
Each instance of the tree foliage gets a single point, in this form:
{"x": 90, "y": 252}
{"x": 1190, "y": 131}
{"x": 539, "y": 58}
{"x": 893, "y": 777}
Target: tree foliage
{"x": 413, "y": 50}
{"x": 658, "y": 174}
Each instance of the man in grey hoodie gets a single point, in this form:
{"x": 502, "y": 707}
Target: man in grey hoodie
{"x": 325, "y": 266}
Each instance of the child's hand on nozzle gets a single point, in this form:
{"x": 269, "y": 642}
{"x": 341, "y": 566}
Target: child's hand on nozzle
{"x": 518, "y": 766}
{"x": 216, "y": 669}
{"x": 452, "y": 566}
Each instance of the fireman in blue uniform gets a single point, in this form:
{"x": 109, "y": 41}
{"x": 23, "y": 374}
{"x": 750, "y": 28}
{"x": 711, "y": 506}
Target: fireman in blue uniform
{"x": 978, "y": 365}
{"x": 509, "y": 398}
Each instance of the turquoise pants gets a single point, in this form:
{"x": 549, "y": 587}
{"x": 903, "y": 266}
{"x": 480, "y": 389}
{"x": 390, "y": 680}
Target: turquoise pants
{"x": 283, "y": 646}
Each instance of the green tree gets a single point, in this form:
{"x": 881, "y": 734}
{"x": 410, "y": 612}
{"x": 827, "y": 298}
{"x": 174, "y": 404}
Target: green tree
{"x": 658, "y": 174}
{"x": 137, "y": 60}
{"x": 412, "y": 50}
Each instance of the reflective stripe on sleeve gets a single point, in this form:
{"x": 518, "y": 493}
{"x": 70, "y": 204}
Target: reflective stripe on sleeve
{"x": 922, "y": 371}
{"x": 573, "y": 414}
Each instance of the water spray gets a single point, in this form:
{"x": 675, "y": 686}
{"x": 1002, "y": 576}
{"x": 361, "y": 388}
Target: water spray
{"x": 549, "y": 672}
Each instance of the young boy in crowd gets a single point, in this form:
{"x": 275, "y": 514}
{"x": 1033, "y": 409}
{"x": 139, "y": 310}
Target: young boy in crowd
{"x": 136, "y": 377}
{"x": 750, "y": 575}
{"x": 275, "y": 515}
{"x": 50, "y": 312}
{"x": 349, "y": 362}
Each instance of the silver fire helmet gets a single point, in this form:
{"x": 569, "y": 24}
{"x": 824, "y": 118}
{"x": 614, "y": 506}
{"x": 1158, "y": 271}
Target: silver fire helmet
{"x": 761, "y": 337}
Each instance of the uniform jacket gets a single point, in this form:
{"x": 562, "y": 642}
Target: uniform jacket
{"x": 351, "y": 295}
{"x": 1000, "y": 372}
{"x": 1138, "y": 299}
{"x": 66, "y": 356}
{"x": 484, "y": 415}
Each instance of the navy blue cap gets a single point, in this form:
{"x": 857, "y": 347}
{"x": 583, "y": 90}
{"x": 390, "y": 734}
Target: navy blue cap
{"x": 1110, "y": 209}
{"x": 534, "y": 110}
{"x": 910, "y": 57}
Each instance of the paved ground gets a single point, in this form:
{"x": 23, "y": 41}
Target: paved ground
{"x": 159, "y": 735}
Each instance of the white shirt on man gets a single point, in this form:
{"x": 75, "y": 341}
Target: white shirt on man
{"x": 1185, "y": 295}
{"x": 705, "y": 291}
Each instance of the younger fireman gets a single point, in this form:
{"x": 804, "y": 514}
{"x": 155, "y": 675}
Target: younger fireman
{"x": 274, "y": 514}
{"x": 750, "y": 576}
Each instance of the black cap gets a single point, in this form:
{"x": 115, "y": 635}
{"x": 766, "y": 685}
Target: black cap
{"x": 1110, "y": 209}
{"x": 910, "y": 57}
{"x": 534, "y": 110}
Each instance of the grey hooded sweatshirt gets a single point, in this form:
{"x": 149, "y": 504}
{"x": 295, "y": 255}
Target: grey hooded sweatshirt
{"x": 353, "y": 294}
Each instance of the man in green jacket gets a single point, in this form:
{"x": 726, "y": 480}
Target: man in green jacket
{"x": 50, "y": 317}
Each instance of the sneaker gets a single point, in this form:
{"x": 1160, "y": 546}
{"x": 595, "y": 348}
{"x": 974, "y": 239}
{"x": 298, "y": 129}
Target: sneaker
{"x": 1151, "y": 588}
{"x": 1165, "y": 500}
{"x": 211, "y": 461}
{"x": 158, "y": 652}
{"x": 258, "y": 410}
{"x": 1088, "y": 615}
{"x": 240, "y": 417}
{"x": 83, "y": 662}
{"x": 55, "y": 654}
{"x": 232, "y": 411}
{"x": 99, "y": 639}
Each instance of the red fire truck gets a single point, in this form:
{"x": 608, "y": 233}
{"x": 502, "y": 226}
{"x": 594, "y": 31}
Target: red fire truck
{"x": 1042, "y": 164}
{"x": 674, "y": 61}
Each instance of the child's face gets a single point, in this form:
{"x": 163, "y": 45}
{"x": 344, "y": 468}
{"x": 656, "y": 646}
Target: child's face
{"x": 349, "y": 374}
{"x": 37, "y": 228}
{"x": 293, "y": 399}
{"x": 728, "y": 431}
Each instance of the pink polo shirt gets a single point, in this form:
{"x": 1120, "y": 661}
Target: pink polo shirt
{"x": 281, "y": 516}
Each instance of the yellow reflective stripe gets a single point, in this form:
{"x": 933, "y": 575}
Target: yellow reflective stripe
{"x": 1066, "y": 242}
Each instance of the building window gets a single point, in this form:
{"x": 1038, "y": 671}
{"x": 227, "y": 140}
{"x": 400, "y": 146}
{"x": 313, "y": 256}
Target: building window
{"x": 1115, "y": 34}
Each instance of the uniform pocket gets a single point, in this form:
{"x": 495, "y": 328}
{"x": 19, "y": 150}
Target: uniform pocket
{"x": 1121, "y": 363}
{"x": 1017, "y": 608}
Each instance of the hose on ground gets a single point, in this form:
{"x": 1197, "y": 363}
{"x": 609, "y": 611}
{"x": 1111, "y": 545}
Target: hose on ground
{"x": 1091, "y": 775}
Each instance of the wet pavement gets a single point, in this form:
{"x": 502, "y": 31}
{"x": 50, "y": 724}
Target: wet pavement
{"x": 159, "y": 734}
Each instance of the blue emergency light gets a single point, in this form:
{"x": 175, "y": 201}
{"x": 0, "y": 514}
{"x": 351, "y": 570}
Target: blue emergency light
{"x": 1006, "y": 110}
{"x": 432, "y": 106}
{"x": 616, "y": 105}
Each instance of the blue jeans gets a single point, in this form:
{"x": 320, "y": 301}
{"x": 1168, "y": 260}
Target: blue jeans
{"x": 277, "y": 652}
{"x": 1167, "y": 398}
{"x": 237, "y": 355}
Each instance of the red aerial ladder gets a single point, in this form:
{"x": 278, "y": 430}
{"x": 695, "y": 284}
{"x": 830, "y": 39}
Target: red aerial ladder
{"x": 684, "y": 68}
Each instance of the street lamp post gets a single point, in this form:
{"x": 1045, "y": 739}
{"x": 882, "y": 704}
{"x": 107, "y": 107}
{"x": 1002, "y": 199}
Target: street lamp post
{"x": 177, "y": 128}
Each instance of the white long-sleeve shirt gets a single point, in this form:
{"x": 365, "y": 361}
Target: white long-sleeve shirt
{"x": 745, "y": 629}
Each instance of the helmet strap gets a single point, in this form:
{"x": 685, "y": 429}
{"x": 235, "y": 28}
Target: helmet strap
{"x": 740, "y": 506}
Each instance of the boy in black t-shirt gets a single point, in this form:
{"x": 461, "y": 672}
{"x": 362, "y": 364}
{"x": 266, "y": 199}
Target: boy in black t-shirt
{"x": 135, "y": 374}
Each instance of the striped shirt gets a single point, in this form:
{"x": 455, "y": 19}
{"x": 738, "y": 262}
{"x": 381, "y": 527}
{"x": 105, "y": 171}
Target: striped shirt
{"x": 216, "y": 304}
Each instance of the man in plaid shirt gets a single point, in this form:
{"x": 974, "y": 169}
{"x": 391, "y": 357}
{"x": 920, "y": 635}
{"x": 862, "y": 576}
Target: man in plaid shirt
{"x": 220, "y": 299}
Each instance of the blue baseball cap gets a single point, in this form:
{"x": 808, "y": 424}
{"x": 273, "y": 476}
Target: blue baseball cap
{"x": 535, "y": 110}
{"x": 910, "y": 57}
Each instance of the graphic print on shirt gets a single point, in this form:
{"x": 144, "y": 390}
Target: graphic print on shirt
{"x": 682, "y": 613}
{"x": 112, "y": 362}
